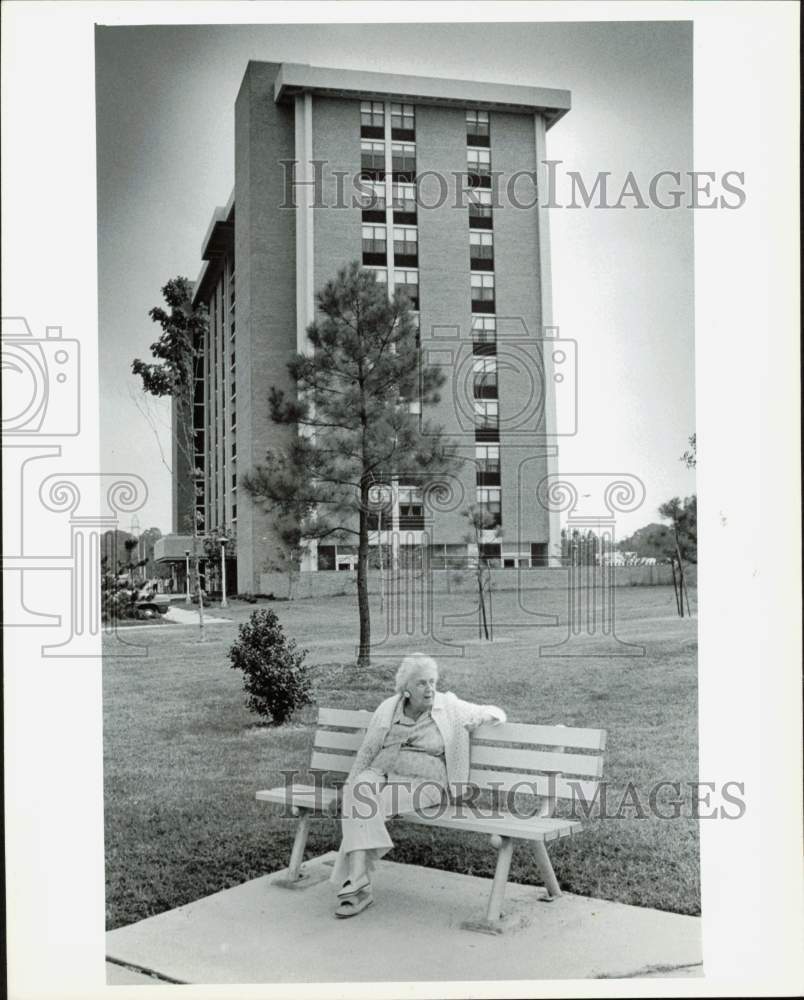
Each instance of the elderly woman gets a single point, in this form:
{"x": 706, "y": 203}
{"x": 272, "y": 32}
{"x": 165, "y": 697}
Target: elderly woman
{"x": 416, "y": 750}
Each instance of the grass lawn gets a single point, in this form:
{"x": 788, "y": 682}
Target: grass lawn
{"x": 183, "y": 756}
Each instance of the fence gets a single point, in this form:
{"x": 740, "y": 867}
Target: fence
{"x": 333, "y": 583}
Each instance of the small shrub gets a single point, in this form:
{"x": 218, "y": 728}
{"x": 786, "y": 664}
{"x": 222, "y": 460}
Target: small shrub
{"x": 275, "y": 677}
{"x": 118, "y": 605}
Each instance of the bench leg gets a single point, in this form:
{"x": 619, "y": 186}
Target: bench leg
{"x": 546, "y": 868}
{"x": 294, "y": 877}
{"x": 299, "y": 843}
{"x": 491, "y": 924}
{"x": 504, "y": 854}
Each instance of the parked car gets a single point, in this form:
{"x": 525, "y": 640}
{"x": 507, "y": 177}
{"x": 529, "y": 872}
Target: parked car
{"x": 150, "y": 607}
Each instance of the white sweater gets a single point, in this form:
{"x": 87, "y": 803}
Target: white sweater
{"x": 455, "y": 720}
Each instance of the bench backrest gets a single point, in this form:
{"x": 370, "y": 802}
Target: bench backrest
{"x": 559, "y": 761}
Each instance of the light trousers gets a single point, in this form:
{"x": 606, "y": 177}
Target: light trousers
{"x": 367, "y": 802}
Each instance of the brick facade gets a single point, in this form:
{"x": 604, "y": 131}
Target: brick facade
{"x": 267, "y": 277}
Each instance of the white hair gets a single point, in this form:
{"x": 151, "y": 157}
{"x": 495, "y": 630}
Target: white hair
{"x": 409, "y": 667}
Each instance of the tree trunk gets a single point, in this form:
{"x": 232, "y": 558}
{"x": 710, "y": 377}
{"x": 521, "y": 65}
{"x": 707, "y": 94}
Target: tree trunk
{"x": 682, "y": 580}
{"x": 482, "y": 604}
{"x": 202, "y": 637}
{"x": 679, "y": 609}
{"x": 363, "y": 609}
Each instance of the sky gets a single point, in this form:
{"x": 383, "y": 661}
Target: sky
{"x": 622, "y": 279}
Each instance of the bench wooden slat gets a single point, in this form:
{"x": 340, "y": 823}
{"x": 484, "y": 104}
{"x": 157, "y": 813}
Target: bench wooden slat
{"x": 338, "y": 763}
{"x": 311, "y": 796}
{"x": 563, "y": 788}
{"x": 481, "y": 754}
{"x": 550, "y": 736}
{"x": 510, "y": 732}
{"x": 521, "y": 828}
{"x": 346, "y": 718}
{"x": 537, "y": 760}
{"x": 491, "y": 757}
{"x": 454, "y": 817}
{"x": 332, "y": 740}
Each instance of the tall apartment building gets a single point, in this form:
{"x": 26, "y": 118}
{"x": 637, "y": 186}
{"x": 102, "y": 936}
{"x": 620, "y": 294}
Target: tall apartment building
{"x": 430, "y": 182}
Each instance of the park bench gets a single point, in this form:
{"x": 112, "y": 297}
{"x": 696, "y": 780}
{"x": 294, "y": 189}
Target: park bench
{"x": 541, "y": 762}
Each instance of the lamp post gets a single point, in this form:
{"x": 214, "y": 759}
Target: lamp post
{"x": 187, "y": 573}
{"x": 224, "y": 540}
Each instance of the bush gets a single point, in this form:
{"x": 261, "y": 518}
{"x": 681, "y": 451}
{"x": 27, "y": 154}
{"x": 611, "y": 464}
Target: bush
{"x": 275, "y": 678}
{"x": 118, "y": 605}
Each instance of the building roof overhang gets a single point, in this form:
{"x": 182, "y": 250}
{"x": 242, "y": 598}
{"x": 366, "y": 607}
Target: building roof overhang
{"x": 295, "y": 78}
{"x": 217, "y": 244}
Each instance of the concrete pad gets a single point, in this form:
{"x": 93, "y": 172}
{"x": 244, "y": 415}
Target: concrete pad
{"x": 259, "y": 932}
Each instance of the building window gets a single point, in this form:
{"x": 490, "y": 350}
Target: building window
{"x": 484, "y": 374}
{"x": 380, "y": 273}
{"x": 374, "y": 244}
{"x": 411, "y": 508}
{"x": 480, "y": 214}
{"x": 406, "y": 244}
{"x": 408, "y": 282}
{"x": 484, "y": 334}
{"x": 372, "y": 156}
{"x": 481, "y": 249}
{"x": 326, "y": 557}
{"x": 482, "y": 292}
{"x": 234, "y": 481}
{"x": 538, "y": 554}
{"x": 490, "y": 504}
{"x": 487, "y": 458}
{"x": 372, "y": 195}
{"x": 489, "y": 554}
{"x": 372, "y": 118}
{"x": 404, "y": 195}
{"x": 403, "y": 159}
{"x": 477, "y": 127}
{"x": 487, "y": 418}
{"x": 403, "y": 117}
{"x": 372, "y": 113}
{"x": 478, "y": 163}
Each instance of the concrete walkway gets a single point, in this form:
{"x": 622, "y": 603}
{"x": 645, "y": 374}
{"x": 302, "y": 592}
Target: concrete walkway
{"x": 259, "y": 932}
{"x": 183, "y": 616}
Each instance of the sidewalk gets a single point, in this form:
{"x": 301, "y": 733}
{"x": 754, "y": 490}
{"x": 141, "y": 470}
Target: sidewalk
{"x": 183, "y": 616}
{"x": 259, "y": 932}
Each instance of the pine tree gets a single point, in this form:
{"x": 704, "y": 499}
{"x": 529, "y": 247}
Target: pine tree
{"x": 353, "y": 414}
